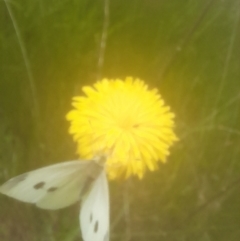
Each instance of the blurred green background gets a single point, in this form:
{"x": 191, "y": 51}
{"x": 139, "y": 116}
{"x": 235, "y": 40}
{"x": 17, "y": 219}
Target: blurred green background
{"x": 189, "y": 49}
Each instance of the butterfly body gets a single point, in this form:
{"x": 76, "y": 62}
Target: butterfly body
{"x": 61, "y": 185}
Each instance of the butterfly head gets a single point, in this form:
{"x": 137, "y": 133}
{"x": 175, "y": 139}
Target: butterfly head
{"x": 100, "y": 159}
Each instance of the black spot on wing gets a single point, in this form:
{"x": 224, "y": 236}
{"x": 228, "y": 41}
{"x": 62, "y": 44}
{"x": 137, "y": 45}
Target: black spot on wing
{"x": 96, "y": 227}
{"x": 39, "y": 185}
{"x": 52, "y": 189}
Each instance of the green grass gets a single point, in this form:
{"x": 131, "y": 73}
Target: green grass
{"x": 187, "y": 49}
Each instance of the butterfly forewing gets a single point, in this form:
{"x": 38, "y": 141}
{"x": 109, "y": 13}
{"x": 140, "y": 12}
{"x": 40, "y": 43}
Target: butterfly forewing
{"x": 51, "y": 187}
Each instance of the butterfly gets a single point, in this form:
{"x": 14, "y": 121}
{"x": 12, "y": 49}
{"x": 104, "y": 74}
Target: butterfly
{"x": 60, "y": 185}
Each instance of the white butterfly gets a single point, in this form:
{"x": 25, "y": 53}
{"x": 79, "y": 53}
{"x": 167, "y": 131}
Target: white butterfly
{"x": 63, "y": 184}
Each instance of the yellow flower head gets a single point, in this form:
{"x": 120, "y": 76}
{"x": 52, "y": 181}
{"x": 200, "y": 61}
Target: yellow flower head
{"x": 124, "y": 121}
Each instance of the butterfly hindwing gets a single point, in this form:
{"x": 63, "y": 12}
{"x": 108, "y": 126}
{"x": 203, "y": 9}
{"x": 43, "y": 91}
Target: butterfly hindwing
{"x": 94, "y": 215}
{"x": 51, "y": 187}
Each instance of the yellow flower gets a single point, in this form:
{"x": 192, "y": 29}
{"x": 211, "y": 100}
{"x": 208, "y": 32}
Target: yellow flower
{"x": 124, "y": 121}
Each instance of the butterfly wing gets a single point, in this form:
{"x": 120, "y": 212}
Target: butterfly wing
{"x": 51, "y": 187}
{"x": 94, "y": 215}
